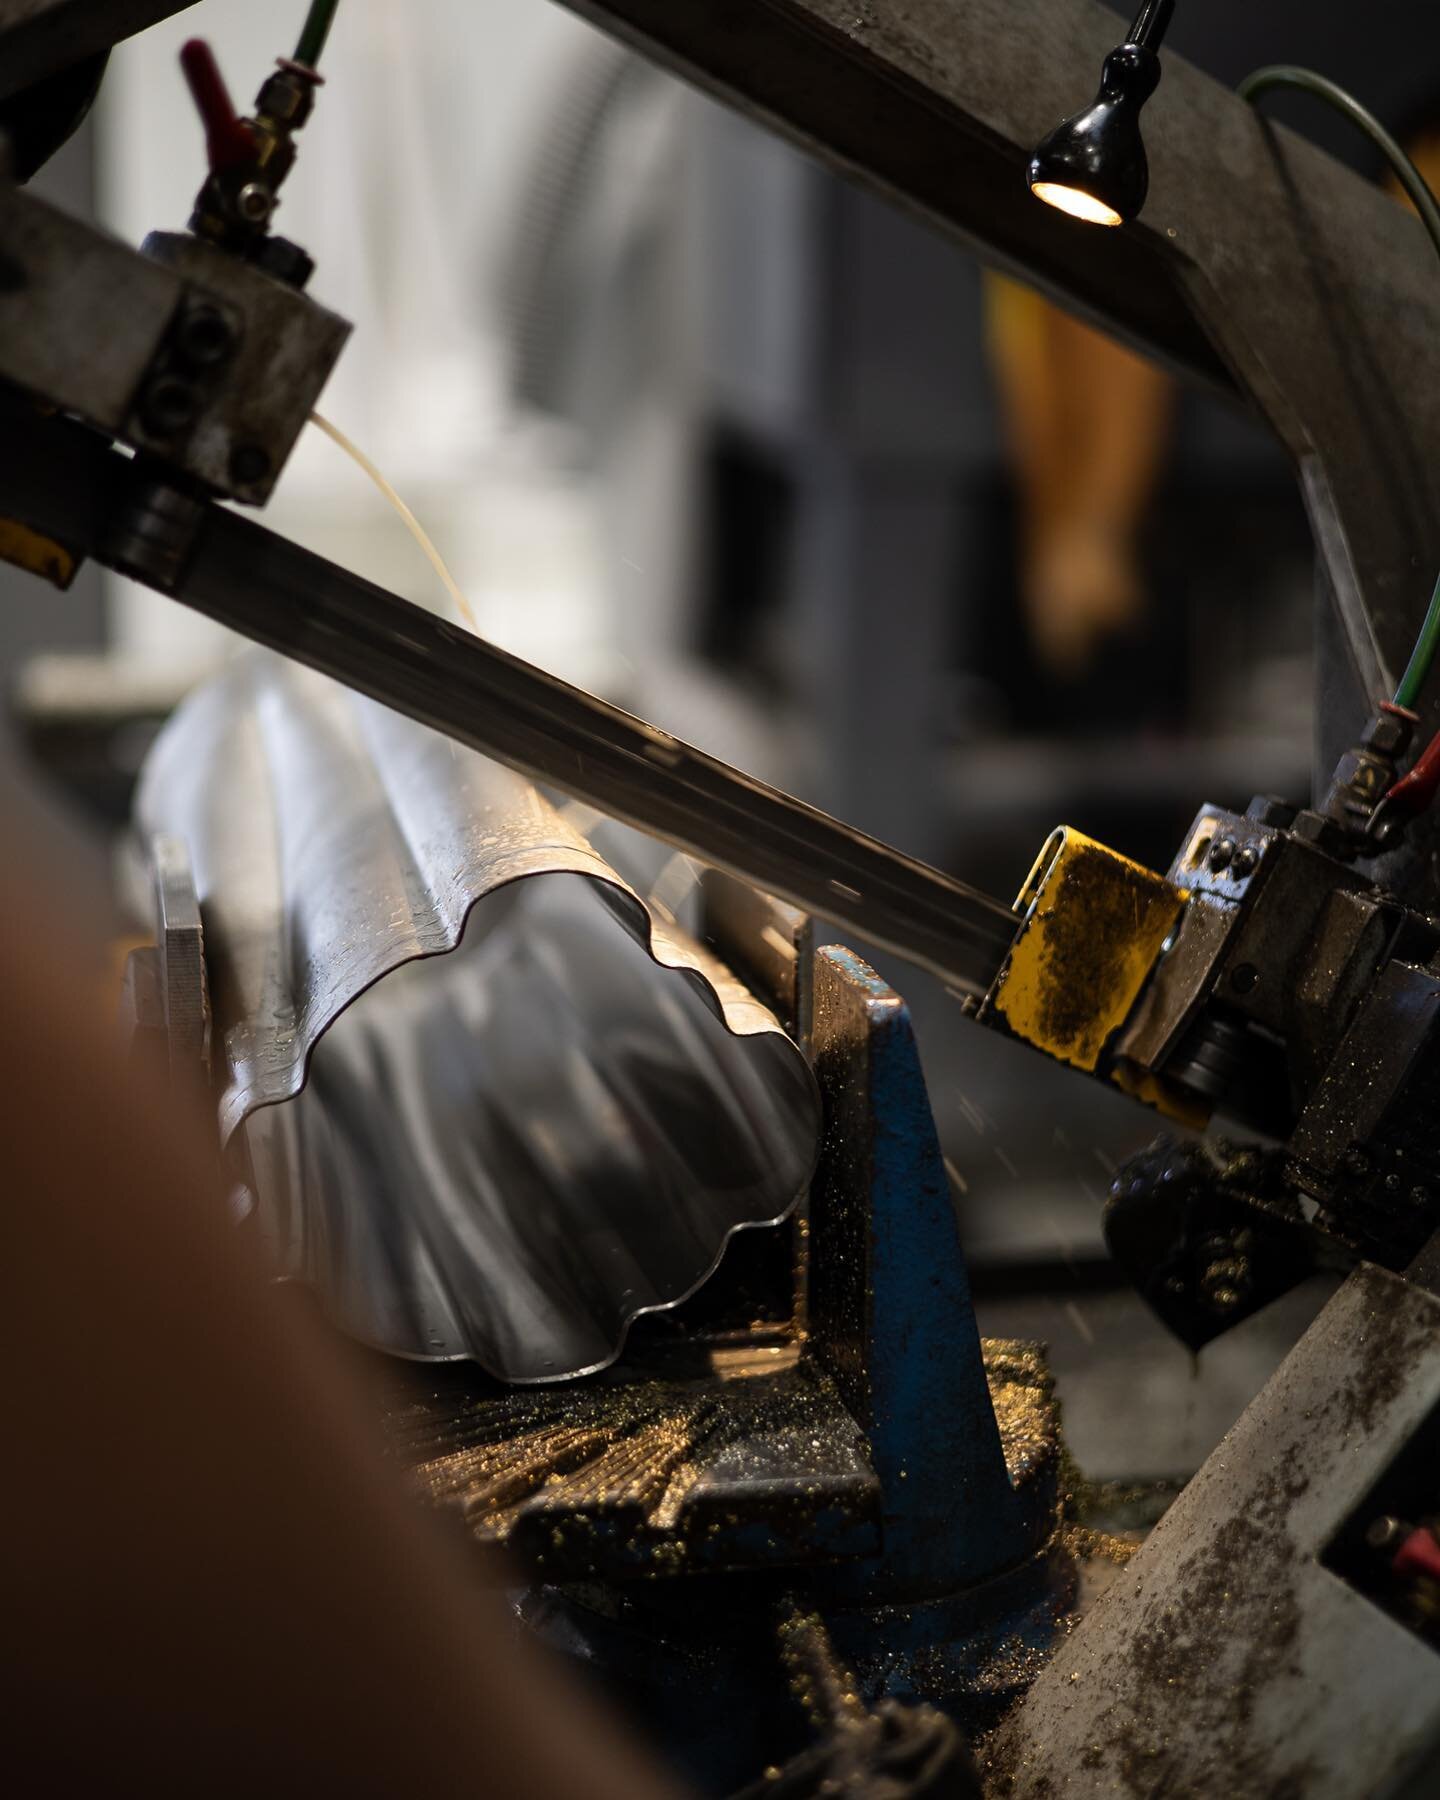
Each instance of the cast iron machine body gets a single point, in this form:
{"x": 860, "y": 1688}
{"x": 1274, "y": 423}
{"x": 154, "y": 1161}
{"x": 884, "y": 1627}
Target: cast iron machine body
{"x": 1266, "y": 974}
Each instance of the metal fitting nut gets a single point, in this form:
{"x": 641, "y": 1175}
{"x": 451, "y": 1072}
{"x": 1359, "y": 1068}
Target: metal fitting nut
{"x": 1387, "y": 734}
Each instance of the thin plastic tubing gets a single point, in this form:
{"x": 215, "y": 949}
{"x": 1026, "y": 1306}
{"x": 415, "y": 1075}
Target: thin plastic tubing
{"x": 417, "y": 530}
{"x": 314, "y": 31}
{"x": 1286, "y": 75}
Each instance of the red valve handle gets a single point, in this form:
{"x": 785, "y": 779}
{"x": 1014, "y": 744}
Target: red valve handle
{"x": 228, "y": 139}
{"x": 1418, "y": 1555}
{"x": 1414, "y": 791}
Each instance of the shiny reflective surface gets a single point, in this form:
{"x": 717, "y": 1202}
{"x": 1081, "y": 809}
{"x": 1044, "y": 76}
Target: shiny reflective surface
{"x": 505, "y": 1154}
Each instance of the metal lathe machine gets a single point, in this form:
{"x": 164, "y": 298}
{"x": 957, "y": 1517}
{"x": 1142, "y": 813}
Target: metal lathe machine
{"x": 670, "y": 1286}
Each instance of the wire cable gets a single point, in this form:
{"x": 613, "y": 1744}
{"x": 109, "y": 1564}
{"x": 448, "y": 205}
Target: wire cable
{"x": 1286, "y": 75}
{"x": 1422, "y": 656}
{"x": 1308, "y": 81}
{"x": 417, "y": 530}
{"x": 314, "y": 31}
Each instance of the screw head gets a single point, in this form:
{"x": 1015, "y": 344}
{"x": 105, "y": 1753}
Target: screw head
{"x": 1221, "y": 851}
{"x": 1243, "y": 978}
{"x": 1246, "y": 859}
{"x": 254, "y": 203}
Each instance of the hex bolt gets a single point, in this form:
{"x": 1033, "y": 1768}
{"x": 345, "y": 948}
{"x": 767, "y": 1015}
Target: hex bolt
{"x": 204, "y": 336}
{"x": 1221, "y": 851}
{"x": 1270, "y": 809}
{"x": 1245, "y": 860}
{"x": 1388, "y": 733}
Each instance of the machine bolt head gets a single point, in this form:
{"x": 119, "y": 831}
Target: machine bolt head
{"x": 254, "y": 203}
{"x": 1221, "y": 851}
{"x": 1246, "y": 859}
{"x": 1270, "y": 809}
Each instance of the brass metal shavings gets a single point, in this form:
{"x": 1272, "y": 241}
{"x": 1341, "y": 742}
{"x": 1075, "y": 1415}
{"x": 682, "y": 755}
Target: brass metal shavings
{"x": 1085, "y": 1543}
{"x": 821, "y": 1683}
{"x": 742, "y": 1362}
{"x": 737, "y": 1457}
{"x": 1022, "y": 1392}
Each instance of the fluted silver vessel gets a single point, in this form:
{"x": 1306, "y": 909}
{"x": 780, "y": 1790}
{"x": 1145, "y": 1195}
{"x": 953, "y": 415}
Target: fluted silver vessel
{"x": 483, "y": 1102}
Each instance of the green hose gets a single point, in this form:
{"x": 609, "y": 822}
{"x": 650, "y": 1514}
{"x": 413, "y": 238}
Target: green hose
{"x": 1422, "y": 656}
{"x": 1282, "y": 75}
{"x": 315, "y": 31}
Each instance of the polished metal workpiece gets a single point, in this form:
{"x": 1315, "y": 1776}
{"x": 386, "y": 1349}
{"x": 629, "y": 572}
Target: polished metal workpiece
{"x": 505, "y": 1153}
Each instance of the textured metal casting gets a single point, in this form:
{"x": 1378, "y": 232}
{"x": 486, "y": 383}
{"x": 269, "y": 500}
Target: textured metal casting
{"x": 507, "y": 1154}
{"x": 1238, "y": 1659}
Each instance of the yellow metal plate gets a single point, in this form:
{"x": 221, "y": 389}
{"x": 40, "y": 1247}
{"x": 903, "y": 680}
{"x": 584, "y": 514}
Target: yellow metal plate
{"x": 1094, "y": 923}
{"x": 41, "y": 556}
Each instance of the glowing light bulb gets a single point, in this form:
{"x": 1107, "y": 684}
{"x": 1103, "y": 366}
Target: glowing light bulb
{"x": 1076, "y": 202}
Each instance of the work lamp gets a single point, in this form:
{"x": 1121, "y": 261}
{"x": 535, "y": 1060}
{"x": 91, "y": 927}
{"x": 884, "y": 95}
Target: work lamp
{"x": 1093, "y": 165}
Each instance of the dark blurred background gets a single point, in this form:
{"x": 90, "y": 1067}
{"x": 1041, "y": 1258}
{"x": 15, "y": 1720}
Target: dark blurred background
{"x": 702, "y": 427}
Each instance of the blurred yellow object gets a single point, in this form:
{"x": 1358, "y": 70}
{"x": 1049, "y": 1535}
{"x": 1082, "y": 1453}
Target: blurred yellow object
{"x": 1087, "y": 422}
{"x": 37, "y": 555}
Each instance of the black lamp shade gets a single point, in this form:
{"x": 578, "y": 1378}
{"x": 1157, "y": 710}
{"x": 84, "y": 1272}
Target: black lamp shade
{"x": 1093, "y": 165}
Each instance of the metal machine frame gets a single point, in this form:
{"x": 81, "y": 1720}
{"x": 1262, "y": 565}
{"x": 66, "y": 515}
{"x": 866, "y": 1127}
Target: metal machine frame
{"x": 1260, "y": 268}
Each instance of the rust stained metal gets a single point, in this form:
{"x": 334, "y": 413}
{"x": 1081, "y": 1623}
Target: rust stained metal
{"x": 1231, "y": 1660}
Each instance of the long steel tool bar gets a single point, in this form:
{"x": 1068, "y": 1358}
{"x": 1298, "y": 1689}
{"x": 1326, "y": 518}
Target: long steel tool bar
{"x": 67, "y": 481}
